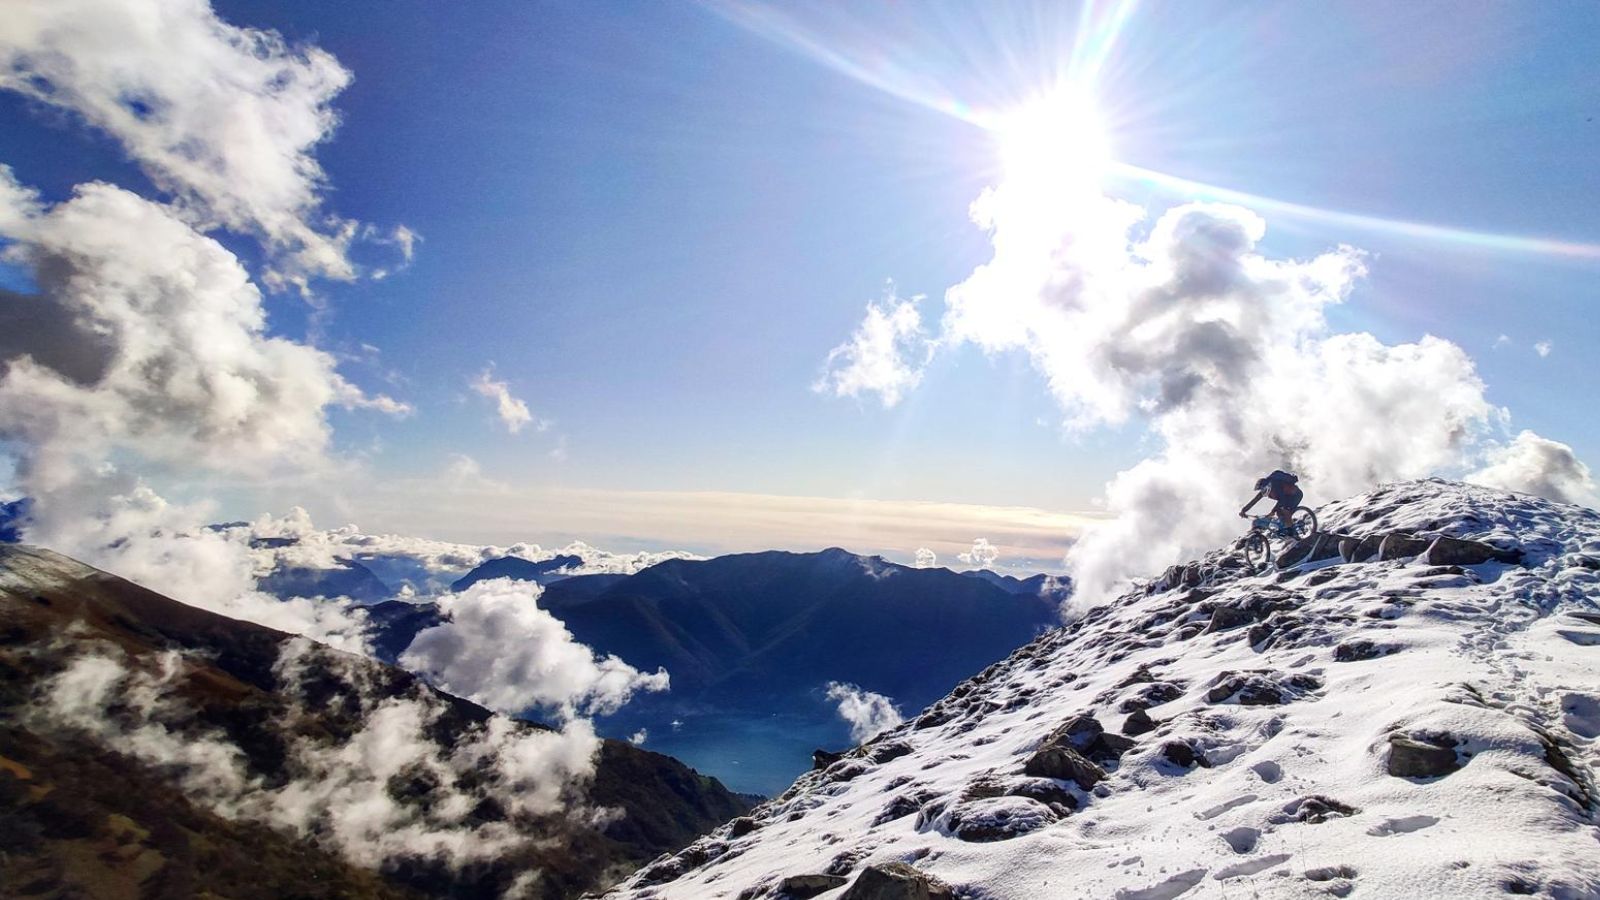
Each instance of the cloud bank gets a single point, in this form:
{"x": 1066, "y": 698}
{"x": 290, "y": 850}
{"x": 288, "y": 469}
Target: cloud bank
{"x": 335, "y": 791}
{"x": 1535, "y": 465}
{"x": 1222, "y": 351}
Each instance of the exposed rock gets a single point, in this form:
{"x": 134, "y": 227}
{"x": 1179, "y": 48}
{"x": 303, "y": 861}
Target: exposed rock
{"x": 888, "y": 751}
{"x": 1399, "y": 545}
{"x": 1151, "y": 695}
{"x": 1108, "y": 747}
{"x": 742, "y": 826}
{"x": 1077, "y": 732}
{"x": 1226, "y": 617}
{"x": 1047, "y": 791}
{"x": 1359, "y": 549}
{"x": 897, "y": 881}
{"x": 1183, "y": 754}
{"x": 1360, "y": 649}
{"x": 995, "y": 818}
{"x": 1449, "y": 551}
{"x": 1316, "y": 809}
{"x": 1422, "y": 756}
{"x": 1138, "y": 723}
{"x": 800, "y": 887}
{"x": 1251, "y": 690}
{"x": 1064, "y": 762}
{"x": 821, "y": 759}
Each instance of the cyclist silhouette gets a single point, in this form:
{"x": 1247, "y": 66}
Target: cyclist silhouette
{"x": 1283, "y": 488}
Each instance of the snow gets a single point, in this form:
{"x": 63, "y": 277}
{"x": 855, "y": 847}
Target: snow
{"x": 1294, "y": 798}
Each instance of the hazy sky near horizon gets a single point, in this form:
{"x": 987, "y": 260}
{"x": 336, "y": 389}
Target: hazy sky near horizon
{"x": 643, "y": 227}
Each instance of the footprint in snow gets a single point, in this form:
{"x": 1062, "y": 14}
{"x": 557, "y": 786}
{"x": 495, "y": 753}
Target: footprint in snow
{"x": 1402, "y": 825}
{"x": 1268, "y": 771}
{"x": 1242, "y": 839}
{"x": 1221, "y": 808}
{"x": 1251, "y": 866}
{"x": 1167, "y": 889}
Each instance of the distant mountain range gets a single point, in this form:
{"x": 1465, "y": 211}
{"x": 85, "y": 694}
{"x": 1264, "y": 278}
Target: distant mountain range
{"x": 148, "y": 748}
{"x": 758, "y": 631}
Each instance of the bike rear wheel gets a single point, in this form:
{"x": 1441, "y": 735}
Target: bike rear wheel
{"x": 1303, "y": 523}
{"x": 1257, "y": 551}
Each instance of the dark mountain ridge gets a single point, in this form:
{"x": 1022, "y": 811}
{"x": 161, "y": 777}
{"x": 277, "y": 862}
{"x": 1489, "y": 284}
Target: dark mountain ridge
{"x": 200, "y": 736}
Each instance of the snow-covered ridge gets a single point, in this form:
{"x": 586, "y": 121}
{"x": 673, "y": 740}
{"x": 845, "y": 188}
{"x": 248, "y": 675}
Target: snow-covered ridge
{"x": 1385, "y": 728}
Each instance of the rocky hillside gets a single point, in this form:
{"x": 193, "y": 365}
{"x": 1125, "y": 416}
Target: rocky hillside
{"x": 1415, "y": 716}
{"x": 148, "y": 748}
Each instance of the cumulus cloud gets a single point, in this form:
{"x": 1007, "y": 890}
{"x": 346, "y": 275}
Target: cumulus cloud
{"x": 982, "y": 555}
{"x": 513, "y": 413}
{"x": 925, "y": 559}
{"x": 866, "y": 712}
{"x": 338, "y": 792}
{"x": 1537, "y": 465}
{"x": 1222, "y": 351}
{"x": 885, "y": 356}
{"x": 1543, "y": 348}
{"x": 224, "y": 119}
{"x": 503, "y": 651}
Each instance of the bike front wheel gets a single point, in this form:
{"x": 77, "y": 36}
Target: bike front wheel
{"x": 1303, "y": 523}
{"x": 1257, "y": 551}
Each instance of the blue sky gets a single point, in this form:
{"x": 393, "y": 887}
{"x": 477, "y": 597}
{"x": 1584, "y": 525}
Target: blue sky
{"x": 655, "y": 224}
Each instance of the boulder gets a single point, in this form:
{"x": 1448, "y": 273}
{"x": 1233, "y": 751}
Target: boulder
{"x": 1226, "y": 617}
{"x": 1151, "y": 695}
{"x": 1448, "y": 551}
{"x": 1251, "y": 690}
{"x": 1183, "y": 755}
{"x": 1422, "y": 756}
{"x": 1359, "y": 549}
{"x": 1065, "y": 763}
{"x": 1108, "y": 747}
{"x": 1138, "y": 723}
{"x": 742, "y": 826}
{"x": 1077, "y": 732}
{"x": 1316, "y": 809}
{"x": 897, "y": 881}
{"x": 1400, "y": 545}
{"x": 1362, "y": 649}
{"x": 799, "y": 887}
{"x": 821, "y": 759}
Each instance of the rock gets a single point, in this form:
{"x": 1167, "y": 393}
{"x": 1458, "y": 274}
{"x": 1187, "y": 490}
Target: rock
{"x": 1421, "y": 756}
{"x": 1448, "y": 551}
{"x": 995, "y": 818}
{"x": 1252, "y": 690}
{"x": 821, "y": 759}
{"x": 1316, "y": 809}
{"x": 1361, "y": 649}
{"x": 1151, "y": 695}
{"x": 1047, "y": 791}
{"x": 1108, "y": 747}
{"x": 1077, "y": 732}
{"x": 890, "y": 751}
{"x": 897, "y": 881}
{"x": 1065, "y": 763}
{"x": 902, "y": 806}
{"x": 742, "y": 826}
{"x": 1138, "y": 723}
{"x": 1183, "y": 754}
{"x": 800, "y": 887}
{"x": 1400, "y": 545}
{"x": 1226, "y": 617}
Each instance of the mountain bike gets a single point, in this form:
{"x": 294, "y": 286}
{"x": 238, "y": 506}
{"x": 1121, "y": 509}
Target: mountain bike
{"x": 1264, "y": 530}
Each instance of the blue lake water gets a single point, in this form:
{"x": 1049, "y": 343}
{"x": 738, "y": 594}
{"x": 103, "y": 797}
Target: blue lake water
{"x": 749, "y": 753}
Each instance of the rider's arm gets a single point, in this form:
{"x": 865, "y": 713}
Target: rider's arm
{"x": 1253, "y": 501}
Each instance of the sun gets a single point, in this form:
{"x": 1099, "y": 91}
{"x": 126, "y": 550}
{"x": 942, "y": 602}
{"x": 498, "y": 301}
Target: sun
{"x": 1058, "y": 139}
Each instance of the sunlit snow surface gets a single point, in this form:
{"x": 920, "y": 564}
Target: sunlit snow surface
{"x": 1505, "y": 658}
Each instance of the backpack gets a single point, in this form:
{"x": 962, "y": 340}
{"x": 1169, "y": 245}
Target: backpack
{"x": 1279, "y": 476}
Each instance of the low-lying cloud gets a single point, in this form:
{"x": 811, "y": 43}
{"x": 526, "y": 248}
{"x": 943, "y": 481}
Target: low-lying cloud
{"x": 867, "y": 713}
{"x": 500, "y": 649}
{"x": 1535, "y": 465}
{"x": 335, "y": 791}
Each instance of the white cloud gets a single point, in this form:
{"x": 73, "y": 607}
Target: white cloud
{"x": 337, "y": 791}
{"x": 1222, "y": 351}
{"x": 885, "y": 355}
{"x": 1537, "y": 465}
{"x": 925, "y": 558}
{"x": 513, "y": 413}
{"x": 639, "y": 737}
{"x": 867, "y": 713}
{"x": 501, "y": 650}
{"x": 224, "y": 119}
{"x": 982, "y": 555}
{"x": 1503, "y": 340}
{"x": 1543, "y": 348}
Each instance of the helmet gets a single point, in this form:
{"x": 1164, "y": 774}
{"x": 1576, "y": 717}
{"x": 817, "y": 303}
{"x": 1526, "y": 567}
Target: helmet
{"x": 1261, "y": 484}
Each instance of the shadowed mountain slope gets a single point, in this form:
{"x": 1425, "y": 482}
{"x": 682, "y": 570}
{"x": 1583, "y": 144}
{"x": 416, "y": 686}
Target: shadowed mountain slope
{"x": 151, "y": 748}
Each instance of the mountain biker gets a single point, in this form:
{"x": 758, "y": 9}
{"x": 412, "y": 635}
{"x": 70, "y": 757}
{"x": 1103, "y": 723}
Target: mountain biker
{"x": 1282, "y": 487}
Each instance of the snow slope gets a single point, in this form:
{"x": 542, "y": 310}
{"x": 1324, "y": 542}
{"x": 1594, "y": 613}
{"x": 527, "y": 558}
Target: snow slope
{"x": 1290, "y": 690}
